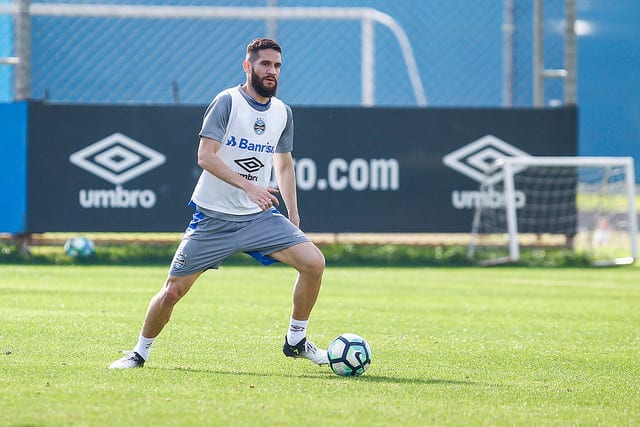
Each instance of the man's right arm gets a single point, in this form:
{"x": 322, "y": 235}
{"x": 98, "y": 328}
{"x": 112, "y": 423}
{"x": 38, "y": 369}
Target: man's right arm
{"x": 209, "y": 160}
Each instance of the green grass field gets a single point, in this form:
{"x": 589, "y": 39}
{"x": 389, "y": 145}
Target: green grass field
{"x": 451, "y": 347}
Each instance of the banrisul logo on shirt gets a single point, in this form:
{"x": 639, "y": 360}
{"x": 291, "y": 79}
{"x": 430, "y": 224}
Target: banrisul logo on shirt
{"x": 245, "y": 144}
{"x": 117, "y": 159}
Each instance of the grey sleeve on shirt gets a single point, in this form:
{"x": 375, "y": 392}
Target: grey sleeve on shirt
{"x": 216, "y": 117}
{"x": 285, "y": 145}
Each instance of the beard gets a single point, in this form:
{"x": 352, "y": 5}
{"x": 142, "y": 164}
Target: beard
{"x": 262, "y": 90}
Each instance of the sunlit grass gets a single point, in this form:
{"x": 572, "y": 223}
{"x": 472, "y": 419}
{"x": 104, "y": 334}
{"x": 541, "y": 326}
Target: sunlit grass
{"x": 451, "y": 346}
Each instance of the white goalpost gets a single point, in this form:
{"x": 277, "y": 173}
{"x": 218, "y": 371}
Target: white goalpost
{"x": 583, "y": 204}
{"x": 23, "y": 10}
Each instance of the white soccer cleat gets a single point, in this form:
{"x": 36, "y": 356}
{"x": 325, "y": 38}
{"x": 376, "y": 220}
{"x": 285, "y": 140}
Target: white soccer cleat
{"x": 131, "y": 359}
{"x": 306, "y": 350}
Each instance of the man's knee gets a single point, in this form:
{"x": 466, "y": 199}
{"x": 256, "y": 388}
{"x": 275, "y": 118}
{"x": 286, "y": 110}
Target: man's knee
{"x": 175, "y": 288}
{"x": 314, "y": 262}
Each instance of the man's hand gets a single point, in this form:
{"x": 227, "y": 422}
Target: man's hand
{"x": 263, "y": 197}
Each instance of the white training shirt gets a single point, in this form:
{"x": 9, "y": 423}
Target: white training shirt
{"x": 248, "y": 145}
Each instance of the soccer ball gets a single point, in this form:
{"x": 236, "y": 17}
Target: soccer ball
{"x": 349, "y": 355}
{"x": 79, "y": 247}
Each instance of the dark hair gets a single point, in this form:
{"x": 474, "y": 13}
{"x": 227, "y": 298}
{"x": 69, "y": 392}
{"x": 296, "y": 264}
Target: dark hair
{"x": 261, "y": 44}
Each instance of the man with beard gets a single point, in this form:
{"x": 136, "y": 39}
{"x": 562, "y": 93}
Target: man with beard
{"x": 246, "y": 132}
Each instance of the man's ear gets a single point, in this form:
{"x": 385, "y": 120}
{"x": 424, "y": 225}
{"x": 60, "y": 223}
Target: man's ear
{"x": 246, "y": 65}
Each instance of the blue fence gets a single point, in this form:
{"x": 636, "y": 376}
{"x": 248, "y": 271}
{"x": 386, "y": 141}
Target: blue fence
{"x": 458, "y": 47}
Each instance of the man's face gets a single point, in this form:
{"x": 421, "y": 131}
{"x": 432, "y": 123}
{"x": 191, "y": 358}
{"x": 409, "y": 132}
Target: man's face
{"x": 265, "y": 72}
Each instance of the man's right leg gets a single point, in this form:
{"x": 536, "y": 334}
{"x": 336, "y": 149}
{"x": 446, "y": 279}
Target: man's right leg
{"x": 158, "y": 315}
{"x": 162, "y": 303}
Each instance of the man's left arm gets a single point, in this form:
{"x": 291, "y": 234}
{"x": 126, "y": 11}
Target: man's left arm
{"x": 286, "y": 176}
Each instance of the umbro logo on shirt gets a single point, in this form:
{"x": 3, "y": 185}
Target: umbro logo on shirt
{"x": 250, "y": 164}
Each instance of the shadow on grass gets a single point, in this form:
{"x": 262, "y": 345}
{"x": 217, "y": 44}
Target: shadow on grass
{"x": 404, "y": 380}
{"x": 327, "y": 375}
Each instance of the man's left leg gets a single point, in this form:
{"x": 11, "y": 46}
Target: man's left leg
{"x": 308, "y": 260}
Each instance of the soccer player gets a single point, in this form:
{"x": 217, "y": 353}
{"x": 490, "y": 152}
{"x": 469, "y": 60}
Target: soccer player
{"x": 246, "y": 132}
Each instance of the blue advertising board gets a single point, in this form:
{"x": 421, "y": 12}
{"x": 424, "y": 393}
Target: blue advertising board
{"x": 13, "y": 167}
{"x": 132, "y": 168}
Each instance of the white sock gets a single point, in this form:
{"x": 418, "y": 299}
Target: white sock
{"x": 143, "y": 347}
{"x": 297, "y": 331}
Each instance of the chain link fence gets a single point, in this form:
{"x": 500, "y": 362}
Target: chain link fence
{"x": 345, "y": 53}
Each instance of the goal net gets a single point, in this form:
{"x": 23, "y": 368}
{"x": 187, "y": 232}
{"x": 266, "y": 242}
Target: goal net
{"x": 529, "y": 205}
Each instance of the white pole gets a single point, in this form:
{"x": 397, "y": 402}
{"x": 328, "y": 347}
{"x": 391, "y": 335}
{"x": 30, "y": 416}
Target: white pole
{"x": 272, "y": 22}
{"x": 508, "y": 28}
{"x": 633, "y": 215}
{"x": 510, "y": 205}
{"x": 22, "y": 71}
{"x": 538, "y": 53}
{"x": 368, "y": 63}
{"x": 570, "y": 54}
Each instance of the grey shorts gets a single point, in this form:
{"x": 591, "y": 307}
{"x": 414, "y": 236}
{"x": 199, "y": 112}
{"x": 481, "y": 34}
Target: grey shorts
{"x": 209, "y": 241}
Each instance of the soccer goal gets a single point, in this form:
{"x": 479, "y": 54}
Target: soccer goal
{"x": 582, "y": 204}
